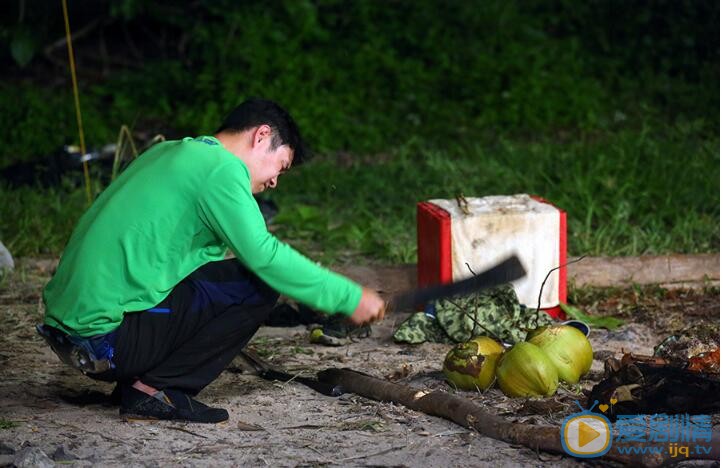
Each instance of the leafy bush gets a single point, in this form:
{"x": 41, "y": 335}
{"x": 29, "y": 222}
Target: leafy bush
{"x": 363, "y": 76}
{"x": 609, "y": 109}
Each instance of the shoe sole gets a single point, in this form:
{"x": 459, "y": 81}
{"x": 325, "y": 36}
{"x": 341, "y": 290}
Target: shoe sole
{"x": 139, "y": 418}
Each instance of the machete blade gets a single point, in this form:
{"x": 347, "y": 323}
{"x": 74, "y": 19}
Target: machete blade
{"x": 267, "y": 371}
{"x": 506, "y": 271}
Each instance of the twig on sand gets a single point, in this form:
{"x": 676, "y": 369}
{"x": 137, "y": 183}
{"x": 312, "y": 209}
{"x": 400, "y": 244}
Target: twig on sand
{"x": 244, "y": 426}
{"x": 449, "y": 433}
{"x": 303, "y": 426}
{"x": 311, "y": 447}
{"x": 367, "y": 455}
{"x": 207, "y": 449}
{"x": 176, "y": 428}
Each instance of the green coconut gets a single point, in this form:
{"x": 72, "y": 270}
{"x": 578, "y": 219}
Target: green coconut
{"x": 526, "y": 371}
{"x": 568, "y": 348}
{"x": 471, "y": 365}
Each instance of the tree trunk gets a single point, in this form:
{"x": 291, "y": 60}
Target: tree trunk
{"x": 470, "y": 415}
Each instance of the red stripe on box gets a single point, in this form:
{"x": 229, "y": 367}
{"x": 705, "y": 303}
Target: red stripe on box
{"x": 563, "y": 256}
{"x": 434, "y": 245}
{"x": 556, "y": 312}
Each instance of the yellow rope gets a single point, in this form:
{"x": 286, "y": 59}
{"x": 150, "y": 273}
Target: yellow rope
{"x": 77, "y": 99}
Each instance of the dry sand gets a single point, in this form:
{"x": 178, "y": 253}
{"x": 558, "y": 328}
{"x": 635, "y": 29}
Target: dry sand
{"x": 272, "y": 423}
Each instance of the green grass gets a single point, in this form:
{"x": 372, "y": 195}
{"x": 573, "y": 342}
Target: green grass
{"x": 38, "y": 222}
{"x": 626, "y": 193}
{"x": 629, "y": 192}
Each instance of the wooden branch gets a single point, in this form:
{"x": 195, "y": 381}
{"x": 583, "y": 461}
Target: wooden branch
{"x": 671, "y": 271}
{"x": 667, "y": 269}
{"x": 470, "y": 415}
{"x": 84, "y": 31}
{"x": 131, "y": 43}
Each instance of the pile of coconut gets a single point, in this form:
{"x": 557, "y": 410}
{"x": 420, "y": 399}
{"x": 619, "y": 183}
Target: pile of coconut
{"x": 532, "y": 368}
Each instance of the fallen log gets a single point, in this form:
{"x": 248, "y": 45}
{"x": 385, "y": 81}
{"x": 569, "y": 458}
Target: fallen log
{"x": 670, "y": 271}
{"x": 468, "y": 414}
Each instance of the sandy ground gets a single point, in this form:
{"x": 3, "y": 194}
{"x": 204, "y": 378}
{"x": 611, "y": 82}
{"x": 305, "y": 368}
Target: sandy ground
{"x": 42, "y": 420}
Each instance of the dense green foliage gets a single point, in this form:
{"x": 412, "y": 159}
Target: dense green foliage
{"x": 609, "y": 109}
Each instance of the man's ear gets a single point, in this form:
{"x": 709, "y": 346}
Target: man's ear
{"x": 261, "y": 132}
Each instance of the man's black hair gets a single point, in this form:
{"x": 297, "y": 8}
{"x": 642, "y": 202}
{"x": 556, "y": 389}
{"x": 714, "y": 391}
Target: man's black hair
{"x": 254, "y": 112}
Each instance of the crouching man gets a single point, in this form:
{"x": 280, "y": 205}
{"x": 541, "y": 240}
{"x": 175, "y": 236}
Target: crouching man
{"x": 143, "y": 296}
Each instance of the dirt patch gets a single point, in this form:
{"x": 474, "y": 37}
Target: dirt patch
{"x": 54, "y": 409}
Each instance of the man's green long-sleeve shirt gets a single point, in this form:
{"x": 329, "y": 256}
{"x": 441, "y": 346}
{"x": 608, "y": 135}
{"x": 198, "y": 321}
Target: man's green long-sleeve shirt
{"x": 177, "y": 207}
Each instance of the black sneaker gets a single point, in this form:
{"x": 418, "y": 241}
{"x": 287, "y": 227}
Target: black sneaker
{"x": 167, "y": 404}
{"x": 286, "y": 315}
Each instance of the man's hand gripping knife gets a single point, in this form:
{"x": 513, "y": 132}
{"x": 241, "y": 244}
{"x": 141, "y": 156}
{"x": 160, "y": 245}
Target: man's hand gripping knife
{"x": 371, "y": 308}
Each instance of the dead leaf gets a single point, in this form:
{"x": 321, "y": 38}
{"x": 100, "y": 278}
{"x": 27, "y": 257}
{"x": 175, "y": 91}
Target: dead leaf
{"x": 244, "y": 426}
{"x": 400, "y": 373}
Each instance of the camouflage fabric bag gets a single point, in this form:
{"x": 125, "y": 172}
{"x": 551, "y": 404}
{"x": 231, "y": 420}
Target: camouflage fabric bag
{"x": 420, "y": 327}
{"x": 495, "y": 312}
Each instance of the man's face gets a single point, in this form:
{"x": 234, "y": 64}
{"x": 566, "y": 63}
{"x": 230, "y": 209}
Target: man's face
{"x": 271, "y": 164}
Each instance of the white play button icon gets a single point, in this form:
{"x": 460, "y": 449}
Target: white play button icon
{"x": 586, "y": 435}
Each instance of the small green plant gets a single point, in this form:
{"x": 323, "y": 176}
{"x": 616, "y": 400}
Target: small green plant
{"x": 611, "y": 323}
{"x": 7, "y": 424}
{"x": 301, "y": 350}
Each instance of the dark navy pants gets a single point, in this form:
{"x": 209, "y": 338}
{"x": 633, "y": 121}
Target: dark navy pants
{"x": 186, "y": 341}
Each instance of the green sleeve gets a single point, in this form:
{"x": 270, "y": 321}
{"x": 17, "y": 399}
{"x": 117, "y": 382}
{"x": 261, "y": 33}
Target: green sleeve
{"x": 229, "y": 209}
